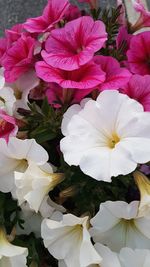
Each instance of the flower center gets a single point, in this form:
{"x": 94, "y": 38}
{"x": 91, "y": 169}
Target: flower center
{"x": 128, "y": 224}
{"x": 18, "y": 93}
{"x": 113, "y": 140}
{"x": 22, "y": 166}
{"x": 79, "y": 49}
{"x": 2, "y": 124}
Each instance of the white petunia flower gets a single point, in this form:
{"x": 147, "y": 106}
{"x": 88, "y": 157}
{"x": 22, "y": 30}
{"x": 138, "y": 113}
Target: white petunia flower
{"x": 69, "y": 240}
{"x": 2, "y": 78}
{"x": 7, "y": 100}
{"x": 143, "y": 184}
{"x": 117, "y": 225}
{"x": 10, "y": 255}
{"x": 15, "y": 95}
{"x": 16, "y": 156}
{"x": 22, "y": 88}
{"x": 126, "y": 257}
{"x": 106, "y": 137}
{"x": 36, "y": 181}
{"x": 7, "y": 97}
{"x": 32, "y": 220}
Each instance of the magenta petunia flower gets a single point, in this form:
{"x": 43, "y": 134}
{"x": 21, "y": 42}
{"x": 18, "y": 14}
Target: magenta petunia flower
{"x": 11, "y": 36}
{"x": 144, "y": 18}
{"x": 138, "y": 88}
{"x": 52, "y": 14}
{"x": 115, "y": 75}
{"x": 8, "y": 126}
{"x": 19, "y": 58}
{"x": 86, "y": 77}
{"x": 74, "y": 45}
{"x": 58, "y": 96}
{"x": 139, "y": 53}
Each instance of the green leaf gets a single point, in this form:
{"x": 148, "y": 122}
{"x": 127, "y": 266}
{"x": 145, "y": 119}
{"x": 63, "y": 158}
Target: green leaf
{"x": 43, "y": 135}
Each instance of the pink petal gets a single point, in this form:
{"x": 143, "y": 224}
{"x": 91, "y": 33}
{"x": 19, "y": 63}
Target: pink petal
{"x": 86, "y": 77}
{"x": 115, "y": 75}
{"x": 139, "y": 54}
{"x": 53, "y": 13}
{"x": 138, "y": 88}
{"x": 16, "y": 62}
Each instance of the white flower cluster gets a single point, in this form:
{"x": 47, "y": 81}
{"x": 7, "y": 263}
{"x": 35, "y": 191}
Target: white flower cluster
{"x": 106, "y": 138}
{"x": 121, "y": 237}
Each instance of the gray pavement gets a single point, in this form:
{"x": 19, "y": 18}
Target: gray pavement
{"x": 14, "y": 11}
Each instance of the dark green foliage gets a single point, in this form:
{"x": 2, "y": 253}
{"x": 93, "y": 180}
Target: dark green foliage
{"x": 9, "y": 212}
{"x": 88, "y": 193}
{"x": 42, "y": 123}
{"x": 110, "y": 19}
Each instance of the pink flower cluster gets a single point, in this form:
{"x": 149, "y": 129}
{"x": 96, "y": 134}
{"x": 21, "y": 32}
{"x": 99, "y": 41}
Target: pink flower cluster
{"x": 69, "y": 56}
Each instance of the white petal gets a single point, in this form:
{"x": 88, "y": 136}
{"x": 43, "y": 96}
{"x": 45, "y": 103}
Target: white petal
{"x": 137, "y": 258}
{"x": 143, "y": 225}
{"x": 2, "y": 79}
{"x": 96, "y": 163}
{"x": 109, "y": 258}
{"x": 138, "y": 147}
{"x": 88, "y": 254}
{"x": 67, "y": 116}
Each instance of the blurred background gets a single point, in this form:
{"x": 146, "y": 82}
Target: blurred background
{"x": 14, "y": 11}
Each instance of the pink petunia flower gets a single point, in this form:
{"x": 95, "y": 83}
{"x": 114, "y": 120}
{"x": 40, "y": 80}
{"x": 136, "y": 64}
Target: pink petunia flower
{"x": 138, "y": 88}
{"x": 92, "y": 3}
{"x": 58, "y": 96}
{"x": 52, "y": 14}
{"x": 74, "y": 45}
{"x": 144, "y": 18}
{"x": 19, "y": 58}
{"x": 8, "y": 126}
{"x": 139, "y": 53}
{"x": 115, "y": 75}
{"x": 86, "y": 77}
{"x": 11, "y": 36}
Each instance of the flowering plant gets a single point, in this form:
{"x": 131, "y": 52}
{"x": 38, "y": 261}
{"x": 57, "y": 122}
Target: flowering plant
{"x": 75, "y": 138}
